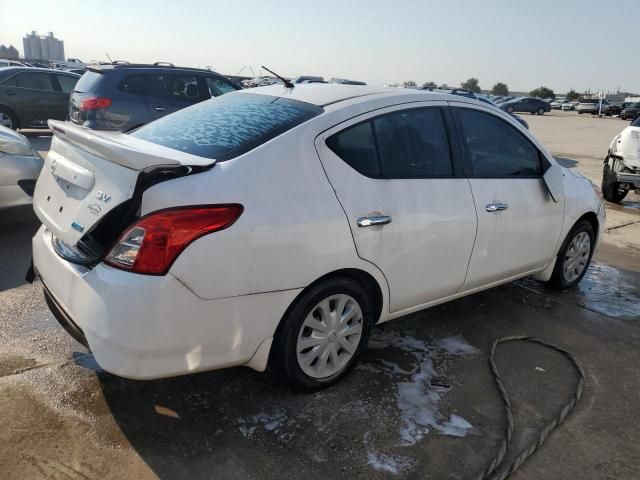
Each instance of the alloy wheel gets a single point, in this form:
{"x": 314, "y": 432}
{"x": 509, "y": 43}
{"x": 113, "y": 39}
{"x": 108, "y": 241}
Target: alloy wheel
{"x": 5, "y": 120}
{"x": 329, "y": 336}
{"x": 577, "y": 256}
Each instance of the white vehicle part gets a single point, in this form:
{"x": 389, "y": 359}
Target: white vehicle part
{"x": 86, "y": 174}
{"x": 627, "y": 146}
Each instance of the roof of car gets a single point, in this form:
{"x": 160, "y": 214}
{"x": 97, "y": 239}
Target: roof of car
{"x": 101, "y": 68}
{"x": 323, "y": 94}
{"x": 9, "y": 70}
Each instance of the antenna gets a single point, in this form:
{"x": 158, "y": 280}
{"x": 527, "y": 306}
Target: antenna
{"x": 110, "y": 61}
{"x": 287, "y": 83}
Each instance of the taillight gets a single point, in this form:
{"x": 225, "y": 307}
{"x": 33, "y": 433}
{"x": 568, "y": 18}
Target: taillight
{"x": 94, "y": 103}
{"x": 152, "y": 244}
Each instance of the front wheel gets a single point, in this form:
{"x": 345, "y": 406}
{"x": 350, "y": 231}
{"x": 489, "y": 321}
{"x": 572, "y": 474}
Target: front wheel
{"x": 323, "y": 335}
{"x": 510, "y": 109}
{"x": 541, "y": 111}
{"x": 8, "y": 119}
{"x": 574, "y": 256}
{"x": 612, "y": 191}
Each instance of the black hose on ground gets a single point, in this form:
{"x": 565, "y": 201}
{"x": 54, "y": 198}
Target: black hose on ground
{"x": 491, "y": 472}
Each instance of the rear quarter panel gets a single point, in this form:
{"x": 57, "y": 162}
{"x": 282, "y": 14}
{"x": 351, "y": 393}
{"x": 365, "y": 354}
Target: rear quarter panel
{"x": 292, "y": 231}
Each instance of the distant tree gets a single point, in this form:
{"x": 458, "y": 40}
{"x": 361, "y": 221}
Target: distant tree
{"x": 471, "y": 84}
{"x": 542, "y": 92}
{"x": 500, "y": 89}
{"x": 410, "y": 84}
{"x": 429, "y": 85}
{"x": 572, "y": 95}
{"x": 444, "y": 86}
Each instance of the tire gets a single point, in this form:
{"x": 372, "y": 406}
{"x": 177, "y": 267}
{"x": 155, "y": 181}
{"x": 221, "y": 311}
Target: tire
{"x": 612, "y": 190}
{"x": 8, "y": 118}
{"x": 566, "y": 275}
{"x": 541, "y": 111}
{"x": 299, "y": 365}
{"x": 510, "y": 109}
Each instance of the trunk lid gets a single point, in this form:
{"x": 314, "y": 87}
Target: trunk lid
{"x": 88, "y": 173}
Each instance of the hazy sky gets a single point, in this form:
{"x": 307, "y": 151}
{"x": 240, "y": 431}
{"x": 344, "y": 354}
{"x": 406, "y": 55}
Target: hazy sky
{"x": 560, "y": 44}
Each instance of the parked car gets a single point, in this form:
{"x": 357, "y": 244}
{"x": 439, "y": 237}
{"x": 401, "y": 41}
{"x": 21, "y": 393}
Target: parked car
{"x": 123, "y": 96}
{"x": 567, "y": 106}
{"x": 526, "y": 104}
{"x": 505, "y": 99}
{"x": 631, "y": 112}
{"x": 621, "y": 170}
{"x": 31, "y": 96}
{"x": 557, "y": 103}
{"x": 483, "y": 98}
{"x": 19, "y": 169}
{"x": 289, "y": 225}
{"x": 308, "y": 79}
{"x": 615, "y": 108}
{"x": 591, "y": 105}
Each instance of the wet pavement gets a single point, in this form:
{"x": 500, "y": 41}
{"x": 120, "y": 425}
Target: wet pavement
{"x": 63, "y": 417}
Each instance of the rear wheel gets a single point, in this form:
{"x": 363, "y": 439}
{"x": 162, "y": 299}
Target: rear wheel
{"x": 541, "y": 111}
{"x": 8, "y": 118}
{"x": 323, "y": 335}
{"x": 613, "y": 191}
{"x": 574, "y": 256}
{"x": 510, "y": 109}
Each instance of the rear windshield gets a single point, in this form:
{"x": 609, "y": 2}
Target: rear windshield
{"x": 88, "y": 82}
{"x": 227, "y": 126}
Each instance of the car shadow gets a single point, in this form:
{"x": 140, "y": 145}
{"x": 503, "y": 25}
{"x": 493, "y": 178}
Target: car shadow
{"x": 17, "y": 227}
{"x": 567, "y": 162}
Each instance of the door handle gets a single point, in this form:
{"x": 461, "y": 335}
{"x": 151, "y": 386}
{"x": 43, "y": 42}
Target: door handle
{"x": 496, "y": 207}
{"x": 374, "y": 220}
{"x": 159, "y": 109}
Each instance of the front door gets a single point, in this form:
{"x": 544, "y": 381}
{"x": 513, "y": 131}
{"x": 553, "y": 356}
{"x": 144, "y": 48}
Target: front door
{"x": 410, "y": 210}
{"x": 519, "y": 222}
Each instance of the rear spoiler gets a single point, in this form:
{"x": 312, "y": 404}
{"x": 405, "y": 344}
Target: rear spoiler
{"x": 123, "y": 149}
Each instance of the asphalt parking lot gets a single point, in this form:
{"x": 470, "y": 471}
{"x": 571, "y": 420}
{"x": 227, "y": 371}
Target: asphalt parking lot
{"x": 62, "y": 417}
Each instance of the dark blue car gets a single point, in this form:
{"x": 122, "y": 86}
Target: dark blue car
{"x": 124, "y": 96}
{"x": 526, "y": 104}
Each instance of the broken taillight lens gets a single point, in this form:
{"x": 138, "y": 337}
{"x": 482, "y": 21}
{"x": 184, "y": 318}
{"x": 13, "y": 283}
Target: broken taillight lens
{"x": 151, "y": 245}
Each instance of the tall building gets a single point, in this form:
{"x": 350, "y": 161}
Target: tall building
{"x": 43, "y": 47}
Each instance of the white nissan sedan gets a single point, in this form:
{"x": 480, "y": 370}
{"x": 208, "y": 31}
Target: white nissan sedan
{"x": 276, "y": 226}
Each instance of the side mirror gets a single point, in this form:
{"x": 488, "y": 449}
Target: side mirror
{"x": 553, "y": 180}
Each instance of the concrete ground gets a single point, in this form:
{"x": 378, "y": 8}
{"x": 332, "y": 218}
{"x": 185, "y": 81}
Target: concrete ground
{"x": 62, "y": 417}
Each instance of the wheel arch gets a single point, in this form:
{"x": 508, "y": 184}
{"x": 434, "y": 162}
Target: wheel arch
{"x": 368, "y": 281}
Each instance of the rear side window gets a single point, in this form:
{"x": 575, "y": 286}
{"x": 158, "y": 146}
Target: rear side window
{"x": 88, "y": 82}
{"x": 405, "y": 144}
{"x": 175, "y": 86}
{"x": 134, "y": 84}
{"x": 227, "y": 126}
{"x": 67, "y": 82}
{"x": 496, "y": 149}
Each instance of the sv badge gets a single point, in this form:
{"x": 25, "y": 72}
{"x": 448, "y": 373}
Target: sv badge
{"x": 103, "y": 196}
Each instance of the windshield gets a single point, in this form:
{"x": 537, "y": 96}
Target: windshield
{"x": 227, "y": 126}
{"x": 636, "y": 122}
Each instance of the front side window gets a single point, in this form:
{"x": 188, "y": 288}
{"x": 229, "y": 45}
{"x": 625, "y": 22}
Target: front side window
{"x": 495, "y": 148}
{"x": 227, "y": 126}
{"x": 218, "y": 87}
{"x": 636, "y": 122}
{"x": 67, "y": 82}
{"x": 34, "y": 81}
{"x": 404, "y": 144}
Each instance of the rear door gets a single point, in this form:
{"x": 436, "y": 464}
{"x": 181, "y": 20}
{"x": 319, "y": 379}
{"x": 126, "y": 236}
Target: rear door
{"x": 410, "y": 210}
{"x": 519, "y": 222}
{"x": 33, "y": 97}
{"x": 170, "y": 92}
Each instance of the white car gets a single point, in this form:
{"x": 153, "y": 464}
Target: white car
{"x": 621, "y": 170}
{"x": 557, "y": 103}
{"x": 19, "y": 168}
{"x": 567, "y": 106}
{"x": 278, "y": 225}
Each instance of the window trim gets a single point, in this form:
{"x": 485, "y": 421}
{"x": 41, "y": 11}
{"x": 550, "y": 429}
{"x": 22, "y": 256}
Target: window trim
{"x": 454, "y": 151}
{"x": 468, "y": 167}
